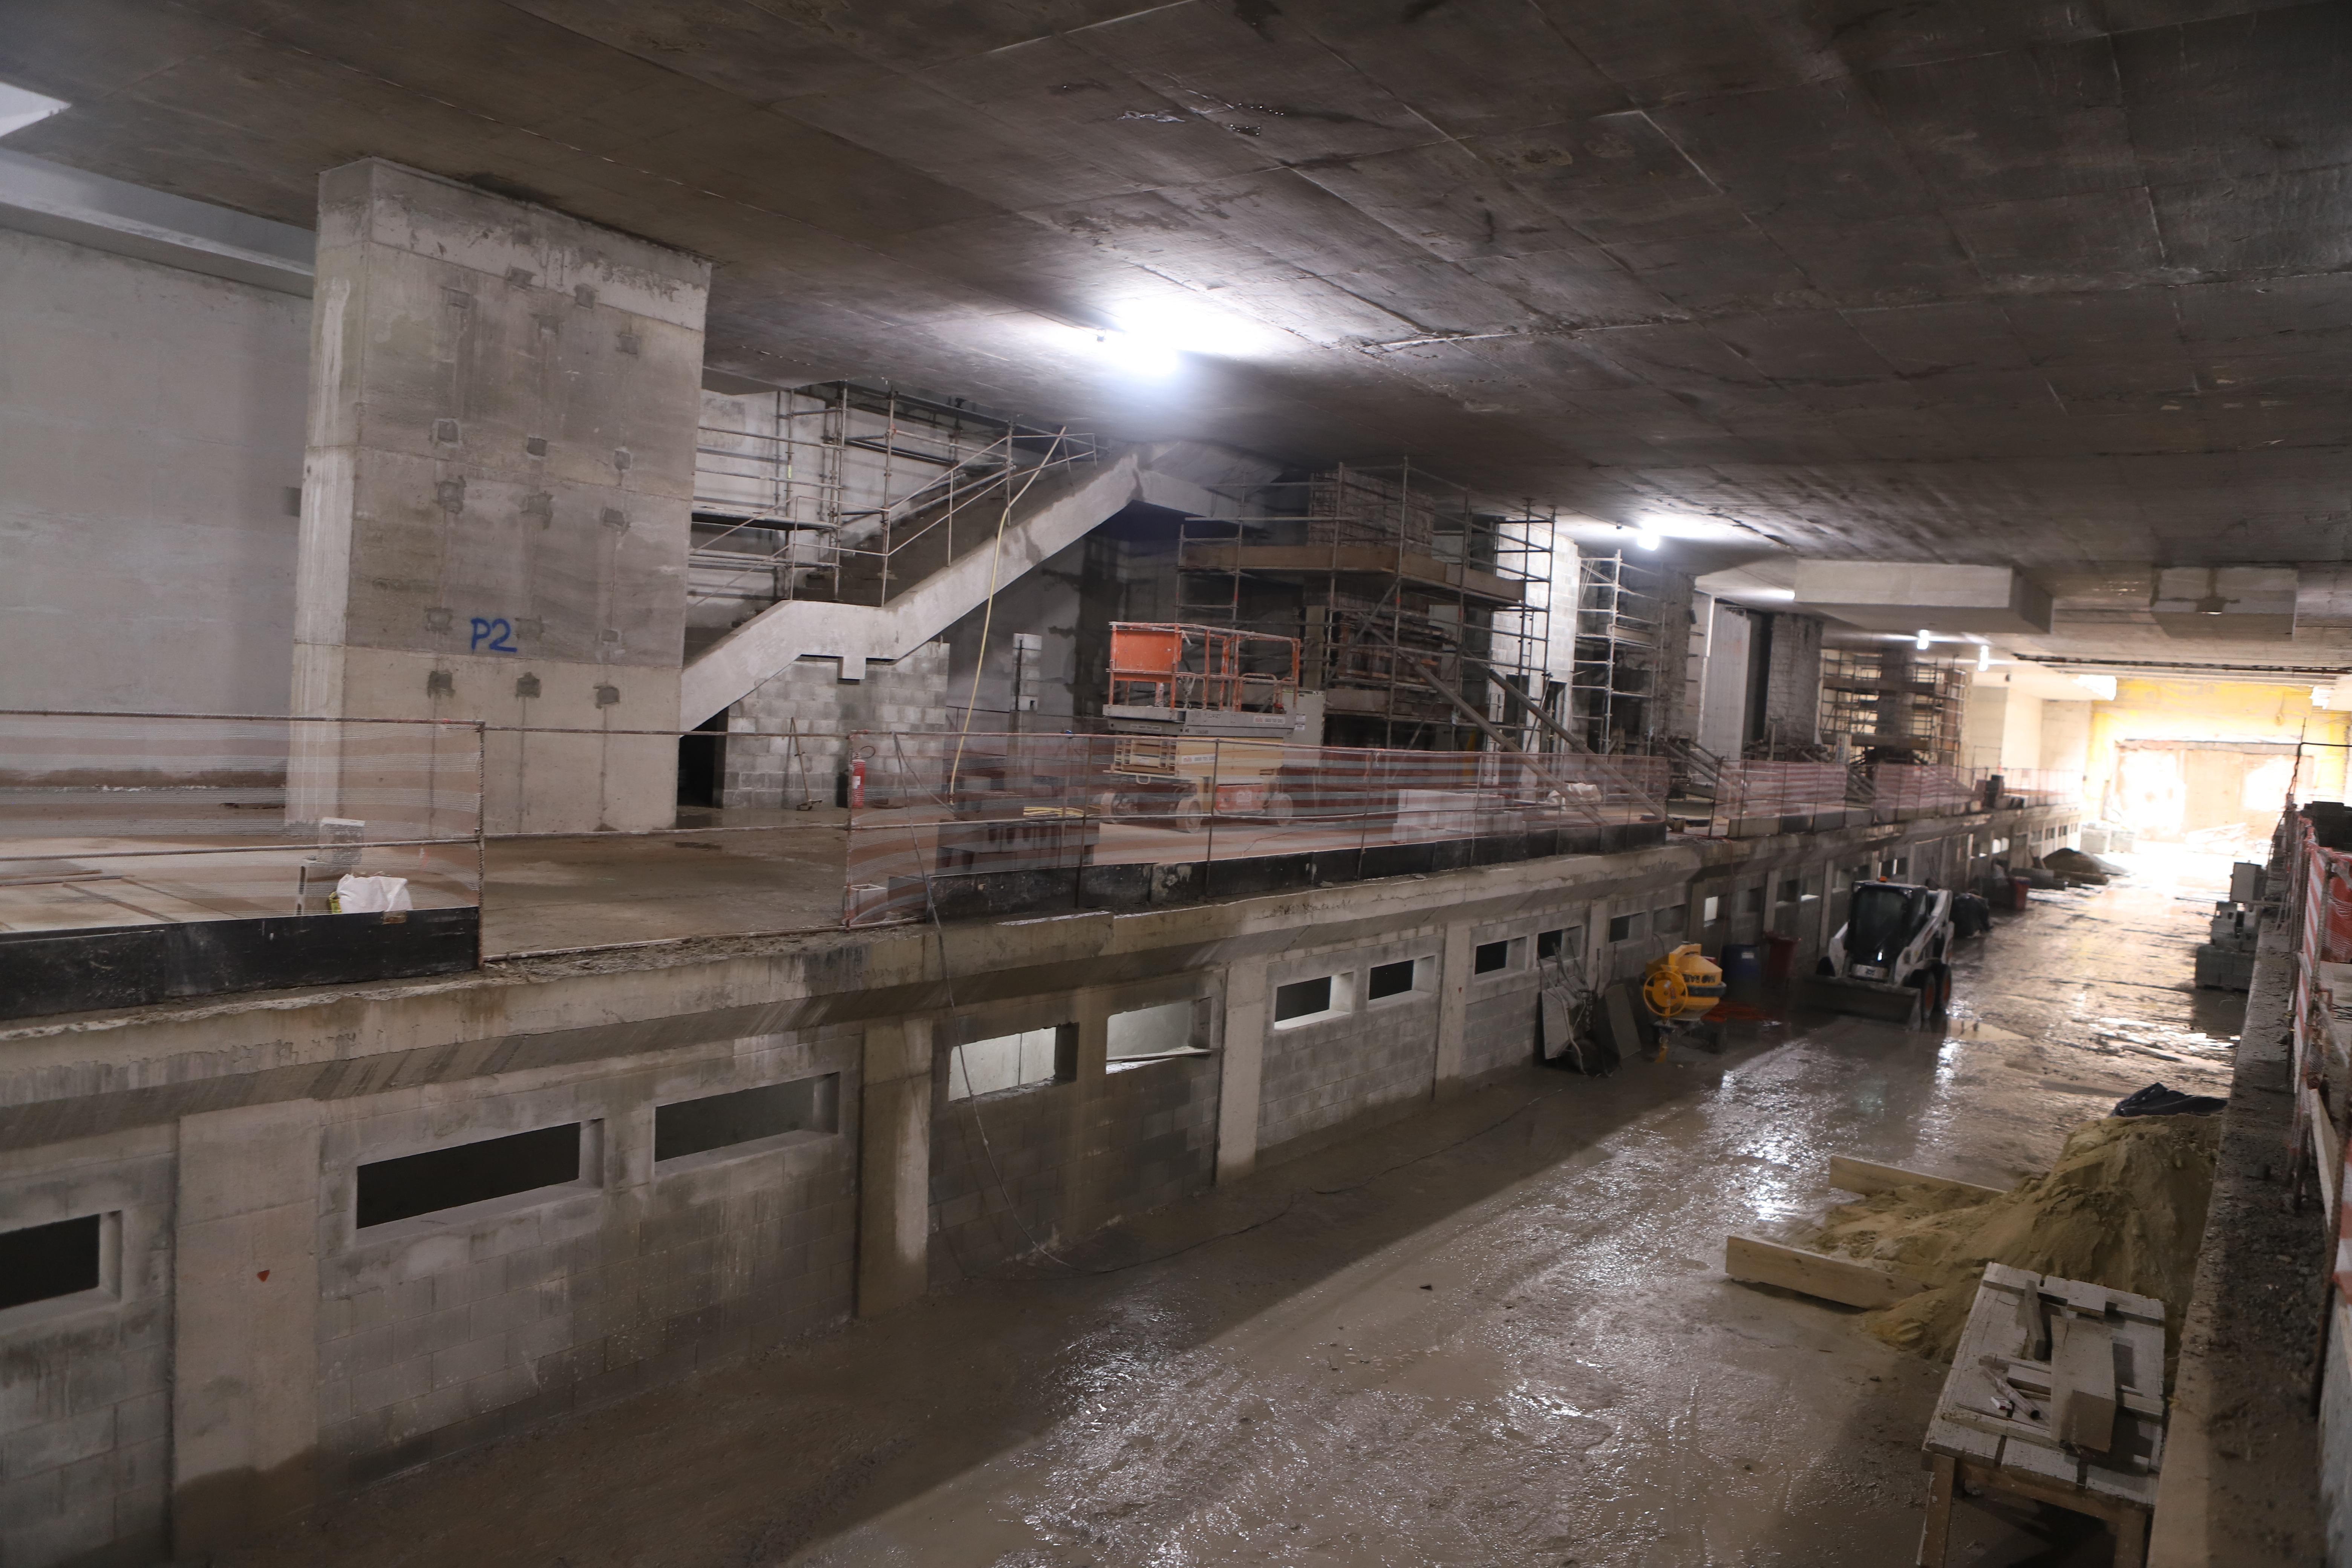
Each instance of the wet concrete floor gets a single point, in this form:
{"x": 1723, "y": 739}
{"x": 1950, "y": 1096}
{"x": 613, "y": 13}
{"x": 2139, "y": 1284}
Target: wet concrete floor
{"x": 1499, "y": 1334}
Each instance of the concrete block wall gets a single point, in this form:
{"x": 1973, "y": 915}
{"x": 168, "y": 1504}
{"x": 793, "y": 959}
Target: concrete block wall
{"x": 1323, "y": 1076}
{"x": 1001, "y": 1173}
{"x": 808, "y": 698}
{"x": 261, "y": 1351}
{"x": 1499, "y": 1018}
{"x": 443, "y": 1332}
{"x": 85, "y": 1382}
{"x": 1053, "y": 1162}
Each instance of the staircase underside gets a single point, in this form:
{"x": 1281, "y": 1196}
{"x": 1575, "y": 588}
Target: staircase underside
{"x": 1176, "y": 474}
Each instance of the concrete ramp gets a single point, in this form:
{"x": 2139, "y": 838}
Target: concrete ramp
{"x": 1059, "y": 510}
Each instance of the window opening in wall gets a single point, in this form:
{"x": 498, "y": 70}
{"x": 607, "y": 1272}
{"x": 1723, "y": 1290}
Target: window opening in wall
{"x": 1897, "y": 867}
{"x": 1752, "y": 900}
{"x": 1710, "y": 911}
{"x": 1012, "y": 1061}
{"x": 746, "y": 1116}
{"x": 1791, "y": 889}
{"x": 1668, "y": 921}
{"x": 1857, "y": 875}
{"x": 1148, "y": 1034}
{"x": 1624, "y": 928}
{"x": 1489, "y": 956}
{"x": 1310, "y": 1001}
{"x": 1552, "y": 943}
{"x": 1392, "y": 979}
{"x": 42, "y": 1262}
{"x": 474, "y": 1172}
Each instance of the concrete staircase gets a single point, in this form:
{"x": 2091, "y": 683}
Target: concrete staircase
{"x": 884, "y": 610}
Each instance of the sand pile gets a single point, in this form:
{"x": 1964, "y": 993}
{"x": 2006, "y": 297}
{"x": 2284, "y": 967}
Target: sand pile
{"x": 2123, "y": 1206}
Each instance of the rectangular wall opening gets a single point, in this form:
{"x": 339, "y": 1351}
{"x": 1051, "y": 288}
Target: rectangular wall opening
{"x": 1399, "y": 979}
{"x": 1490, "y": 956}
{"x": 1625, "y": 928}
{"x": 451, "y": 1178}
{"x": 1308, "y": 1000}
{"x": 42, "y": 1262}
{"x": 746, "y": 1116}
{"x": 1013, "y": 1061}
{"x": 1149, "y": 1034}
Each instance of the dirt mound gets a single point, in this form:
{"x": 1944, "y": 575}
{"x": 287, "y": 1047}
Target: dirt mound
{"x": 2124, "y": 1207}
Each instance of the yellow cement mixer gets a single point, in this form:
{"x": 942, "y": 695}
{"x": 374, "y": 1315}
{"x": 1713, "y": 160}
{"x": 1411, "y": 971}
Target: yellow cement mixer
{"x": 1681, "y": 983}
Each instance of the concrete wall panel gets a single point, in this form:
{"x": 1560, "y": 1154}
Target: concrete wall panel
{"x": 144, "y": 520}
{"x": 85, "y": 1382}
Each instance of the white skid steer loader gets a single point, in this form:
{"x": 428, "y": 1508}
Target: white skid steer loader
{"x": 1888, "y": 961}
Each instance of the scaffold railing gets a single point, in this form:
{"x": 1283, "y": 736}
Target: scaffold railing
{"x": 930, "y": 808}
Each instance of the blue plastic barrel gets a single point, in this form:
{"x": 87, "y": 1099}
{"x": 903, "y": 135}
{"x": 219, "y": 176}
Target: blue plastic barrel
{"x": 1741, "y": 960}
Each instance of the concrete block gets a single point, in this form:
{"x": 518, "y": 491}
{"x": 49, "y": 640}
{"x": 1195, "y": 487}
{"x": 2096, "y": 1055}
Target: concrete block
{"x": 66, "y": 1538}
{"x": 30, "y": 1500}
{"x": 56, "y": 1444}
{"x": 465, "y": 1362}
{"x": 144, "y": 1419}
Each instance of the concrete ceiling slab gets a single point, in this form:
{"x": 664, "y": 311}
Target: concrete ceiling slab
{"x": 2061, "y": 284}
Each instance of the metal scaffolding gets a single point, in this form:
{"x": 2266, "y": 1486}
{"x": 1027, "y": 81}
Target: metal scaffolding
{"x": 1890, "y": 698}
{"x": 1401, "y": 591}
{"x": 850, "y": 493}
{"x": 1613, "y": 681}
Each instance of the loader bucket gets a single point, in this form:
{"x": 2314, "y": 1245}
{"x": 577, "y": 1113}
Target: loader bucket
{"x": 1888, "y": 1004}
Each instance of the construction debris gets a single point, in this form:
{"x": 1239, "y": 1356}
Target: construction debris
{"x": 2124, "y": 1207}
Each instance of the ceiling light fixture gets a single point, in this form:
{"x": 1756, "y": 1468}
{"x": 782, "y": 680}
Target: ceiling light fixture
{"x": 1984, "y": 657}
{"x": 2102, "y": 687}
{"x": 1145, "y": 358}
{"x": 1648, "y": 538}
{"x": 1923, "y": 641}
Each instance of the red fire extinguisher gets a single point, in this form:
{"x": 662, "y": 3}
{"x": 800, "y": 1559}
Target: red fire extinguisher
{"x": 856, "y": 783}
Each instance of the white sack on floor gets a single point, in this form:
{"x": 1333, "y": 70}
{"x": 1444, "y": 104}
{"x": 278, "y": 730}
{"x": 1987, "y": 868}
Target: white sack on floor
{"x": 371, "y": 895}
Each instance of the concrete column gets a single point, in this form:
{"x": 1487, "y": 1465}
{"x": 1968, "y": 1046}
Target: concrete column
{"x": 1083, "y": 1153}
{"x": 1452, "y": 1008}
{"x": 893, "y": 1167}
{"x": 244, "y": 1412}
{"x": 503, "y": 402}
{"x": 1248, "y": 1014}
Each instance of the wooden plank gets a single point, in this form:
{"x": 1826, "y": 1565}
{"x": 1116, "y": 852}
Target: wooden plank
{"x": 1960, "y": 1439}
{"x": 2082, "y": 1382}
{"x": 1936, "y": 1532}
{"x": 2326, "y": 1150}
{"x": 2003, "y": 1276}
{"x": 2131, "y": 1539}
{"x": 2056, "y": 1470}
{"x": 1840, "y": 1280}
{"x": 1865, "y": 1176}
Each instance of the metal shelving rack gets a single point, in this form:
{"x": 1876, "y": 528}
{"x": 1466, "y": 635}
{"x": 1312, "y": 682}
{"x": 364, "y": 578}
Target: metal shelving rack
{"x": 1614, "y": 680}
{"x": 1382, "y": 572}
{"x": 1893, "y": 697}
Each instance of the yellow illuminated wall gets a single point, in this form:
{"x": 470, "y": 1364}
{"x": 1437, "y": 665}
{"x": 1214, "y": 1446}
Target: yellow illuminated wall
{"x": 2216, "y": 710}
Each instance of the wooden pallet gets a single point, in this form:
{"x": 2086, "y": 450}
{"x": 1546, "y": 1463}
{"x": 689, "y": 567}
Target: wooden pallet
{"x": 2081, "y": 1368}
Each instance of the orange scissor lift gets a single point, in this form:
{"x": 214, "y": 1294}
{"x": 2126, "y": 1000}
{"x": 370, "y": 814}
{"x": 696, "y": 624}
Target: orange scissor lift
{"x": 1204, "y": 717}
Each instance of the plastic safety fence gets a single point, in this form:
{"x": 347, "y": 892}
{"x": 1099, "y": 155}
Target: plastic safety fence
{"x": 114, "y": 820}
{"x": 1924, "y": 786}
{"x": 1769, "y": 791}
{"x": 924, "y": 809}
{"x": 2319, "y": 911}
